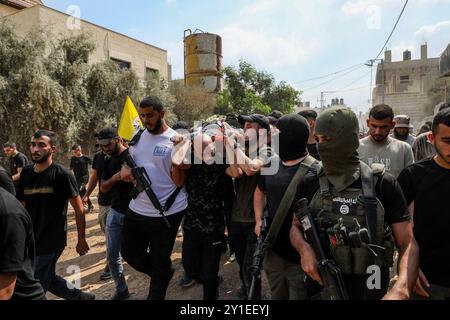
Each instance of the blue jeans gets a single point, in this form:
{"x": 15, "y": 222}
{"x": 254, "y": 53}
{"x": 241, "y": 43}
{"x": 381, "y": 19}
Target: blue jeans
{"x": 44, "y": 268}
{"x": 114, "y": 226}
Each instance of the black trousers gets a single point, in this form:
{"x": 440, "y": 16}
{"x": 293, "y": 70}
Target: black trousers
{"x": 201, "y": 259}
{"x": 147, "y": 246}
{"x": 244, "y": 239}
{"x": 81, "y": 182}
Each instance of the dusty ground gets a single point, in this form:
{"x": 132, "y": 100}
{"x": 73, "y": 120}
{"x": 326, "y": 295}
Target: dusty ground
{"x": 93, "y": 263}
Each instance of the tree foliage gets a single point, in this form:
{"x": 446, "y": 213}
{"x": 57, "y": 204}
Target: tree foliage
{"x": 249, "y": 90}
{"x": 47, "y": 83}
{"x": 192, "y": 103}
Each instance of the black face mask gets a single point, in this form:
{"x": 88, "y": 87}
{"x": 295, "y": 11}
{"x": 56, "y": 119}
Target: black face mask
{"x": 157, "y": 127}
{"x": 293, "y": 137}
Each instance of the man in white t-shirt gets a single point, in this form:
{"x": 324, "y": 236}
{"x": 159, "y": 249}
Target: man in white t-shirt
{"x": 147, "y": 239}
{"x": 379, "y": 147}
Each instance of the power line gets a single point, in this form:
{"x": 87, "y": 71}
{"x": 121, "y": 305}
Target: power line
{"x": 327, "y": 75}
{"x": 335, "y": 78}
{"x": 393, "y": 29}
{"x": 356, "y": 80}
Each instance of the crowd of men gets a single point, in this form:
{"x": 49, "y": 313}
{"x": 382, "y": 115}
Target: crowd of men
{"x": 223, "y": 182}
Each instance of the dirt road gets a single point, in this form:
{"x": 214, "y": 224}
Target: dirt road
{"x": 92, "y": 265}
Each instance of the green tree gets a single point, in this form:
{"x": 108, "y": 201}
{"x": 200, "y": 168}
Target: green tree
{"x": 47, "y": 83}
{"x": 249, "y": 90}
{"x": 192, "y": 103}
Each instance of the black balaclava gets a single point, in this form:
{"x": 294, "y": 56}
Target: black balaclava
{"x": 294, "y": 133}
{"x": 339, "y": 156}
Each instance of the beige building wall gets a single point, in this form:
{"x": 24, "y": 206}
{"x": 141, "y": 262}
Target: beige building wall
{"x": 406, "y": 87}
{"x": 6, "y": 10}
{"x": 109, "y": 44}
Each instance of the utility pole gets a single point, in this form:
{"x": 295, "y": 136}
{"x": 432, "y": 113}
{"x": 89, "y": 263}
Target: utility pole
{"x": 382, "y": 81}
{"x": 370, "y": 64}
{"x": 322, "y": 100}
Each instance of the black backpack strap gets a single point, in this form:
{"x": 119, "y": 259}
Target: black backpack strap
{"x": 370, "y": 200}
{"x": 136, "y": 138}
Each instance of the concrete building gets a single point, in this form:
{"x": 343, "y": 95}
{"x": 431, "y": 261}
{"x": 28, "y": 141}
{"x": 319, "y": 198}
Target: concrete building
{"x": 406, "y": 84}
{"x": 444, "y": 63}
{"x": 143, "y": 58}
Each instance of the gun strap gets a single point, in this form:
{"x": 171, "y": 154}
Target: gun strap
{"x": 154, "y": 199}
{"x": 171, "y": 199}
{"x": 370, "y": 200}
{"x": 287, "y": 200}
{"x": 136, "y": 138}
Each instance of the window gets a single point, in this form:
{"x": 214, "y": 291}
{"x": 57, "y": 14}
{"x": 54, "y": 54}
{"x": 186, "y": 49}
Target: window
{"x": 122, "y": 64}
{"x": 151, "y": 73}
{"x": 404, "y": 79}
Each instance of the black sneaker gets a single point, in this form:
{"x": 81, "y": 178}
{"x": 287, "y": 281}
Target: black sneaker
{"x": 124, "y": 295}
{"x": 86, "y": 296}
{"x": 105, "y": 275}
{"x": 186, "y": 281}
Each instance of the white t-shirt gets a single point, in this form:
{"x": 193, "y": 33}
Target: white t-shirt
{"x": 154, "y": 153}
{"x": 396, "y": 155}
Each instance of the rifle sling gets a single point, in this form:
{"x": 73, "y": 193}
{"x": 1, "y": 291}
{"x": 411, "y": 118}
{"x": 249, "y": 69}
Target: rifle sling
{"x": 287, "y": 200}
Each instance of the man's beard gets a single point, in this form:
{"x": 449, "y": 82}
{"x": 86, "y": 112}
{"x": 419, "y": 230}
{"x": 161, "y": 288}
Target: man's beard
{"x": 157, "y": 127}
{"x": 441, "y": 155}
{"x": 43, "y": 158}
{"x": 379, "y": 138}
{"x": 401, "y": 137}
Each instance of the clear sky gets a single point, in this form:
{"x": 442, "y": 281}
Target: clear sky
{"x": 295, "y": 40}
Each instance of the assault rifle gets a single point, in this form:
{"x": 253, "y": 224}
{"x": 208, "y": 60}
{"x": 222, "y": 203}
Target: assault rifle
{"x": 258, "y": 255}
{"x": 333, "y": 283}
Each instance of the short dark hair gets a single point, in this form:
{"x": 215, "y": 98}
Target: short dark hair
{"x": 381, "y": 112}
{"x": 9, "y": 144}
{"x": 443, "y": 117}
{"x": 46, "y": 133}
{"x": 76, "y": 146}
{"x": 308, "y": 114}
{"x": 152, "y": 102}
{"x": 444, "y": 106}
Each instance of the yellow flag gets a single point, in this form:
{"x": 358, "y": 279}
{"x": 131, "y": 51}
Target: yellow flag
{"x": 130, "y": 122}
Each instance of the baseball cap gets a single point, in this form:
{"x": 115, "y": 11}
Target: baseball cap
{"x": 402, "y": 121}
{"x": 258, "y": 118}
{"x": 105, "y": 136}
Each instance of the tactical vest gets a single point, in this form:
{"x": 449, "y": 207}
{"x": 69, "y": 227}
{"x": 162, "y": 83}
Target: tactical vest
{"x": 342, "y": 222}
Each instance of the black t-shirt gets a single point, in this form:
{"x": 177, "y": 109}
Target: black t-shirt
{"x": 206, "y": 198}
{"x": 17, "y": 248}
{"x": 428, "y": 185}
{"x": 312, "y": 149}
{"x": 18, "y": 161}
{"x": 6, "y": 181}
{"x": 120, "y": 192}
{"x": 275, "y": 187}
{"x": 80, "y": 167}
{"x": 104, "y": 199}
{"x": 46, "y": 196}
